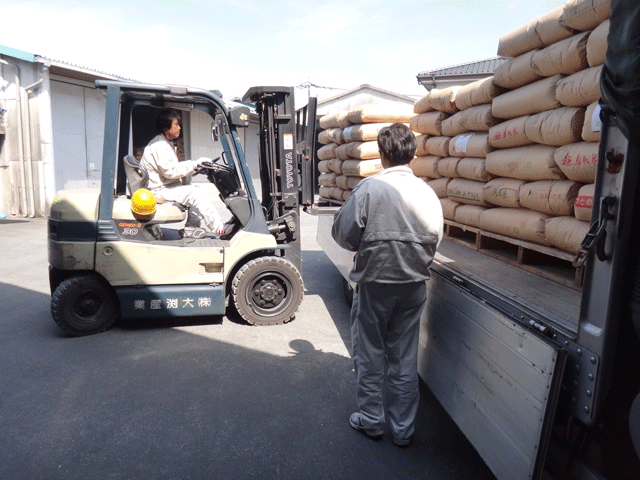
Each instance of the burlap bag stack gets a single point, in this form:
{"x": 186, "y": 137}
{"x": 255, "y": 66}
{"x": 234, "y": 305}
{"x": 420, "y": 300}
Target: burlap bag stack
{"x": 432, "y": 146}
{"x": 542, "y": 131}
{"x": 453, "y": 125}
{"x": 349, "y": 149}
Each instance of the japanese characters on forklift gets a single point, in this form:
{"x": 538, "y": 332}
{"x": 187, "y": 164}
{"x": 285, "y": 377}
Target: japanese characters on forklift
{"x": 107, "y": 263}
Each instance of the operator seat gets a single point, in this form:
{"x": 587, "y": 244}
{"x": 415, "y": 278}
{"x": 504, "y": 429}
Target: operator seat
{"x": 137, "y": 175}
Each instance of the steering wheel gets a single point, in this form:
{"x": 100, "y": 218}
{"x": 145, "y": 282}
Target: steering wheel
{"x": 203, "y": 168}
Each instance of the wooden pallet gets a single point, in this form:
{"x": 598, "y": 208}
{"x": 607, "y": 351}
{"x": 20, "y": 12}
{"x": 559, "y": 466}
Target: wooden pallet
{"x": 547, "y": 262}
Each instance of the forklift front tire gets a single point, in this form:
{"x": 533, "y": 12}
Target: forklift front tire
{"x": 267, "y": 291}
{"x": 83, "y": 305}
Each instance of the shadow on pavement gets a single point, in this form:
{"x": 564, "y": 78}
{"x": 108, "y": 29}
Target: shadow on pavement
{"x": 166, "y": 322}
{"x": 8, "y": 221}
{"x": 163, "y": 403}
{"x": 322, "y": 278}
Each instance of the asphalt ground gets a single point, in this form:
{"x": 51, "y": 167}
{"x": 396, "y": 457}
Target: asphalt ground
{"x": 207, "y": 398}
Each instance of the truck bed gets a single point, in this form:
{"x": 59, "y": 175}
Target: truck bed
{"x": 559, "y": 302}
{"x": 520, "y": 291}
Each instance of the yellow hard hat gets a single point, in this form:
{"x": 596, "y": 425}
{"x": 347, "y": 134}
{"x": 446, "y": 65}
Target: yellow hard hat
{"x": 143, "y": 203}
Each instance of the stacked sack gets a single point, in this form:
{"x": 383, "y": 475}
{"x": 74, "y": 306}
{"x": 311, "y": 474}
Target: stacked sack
{"x": 454, "y": 125}
{"x": 350, "y": 147}
{"x": 539, "y": 138}
{"x": 546, "y": 145}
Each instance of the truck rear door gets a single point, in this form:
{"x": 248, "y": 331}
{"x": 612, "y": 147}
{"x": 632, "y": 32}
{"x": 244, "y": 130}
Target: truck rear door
{"x": 499, "y": 380}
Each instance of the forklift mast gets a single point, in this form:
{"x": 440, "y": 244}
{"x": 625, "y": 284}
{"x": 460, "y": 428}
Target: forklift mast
{"x": 287, "y": 170}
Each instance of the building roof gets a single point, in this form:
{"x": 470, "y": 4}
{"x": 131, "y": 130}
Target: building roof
{"x": 486, "y": 66}
{"x": 60, "y": 67}
{"x": 464, "y": 72}
{"x": 15, "y": 53}
{"x": 365, "y": 86}
{"x": 80, "y": 73}
{"x": 77, "y": 72}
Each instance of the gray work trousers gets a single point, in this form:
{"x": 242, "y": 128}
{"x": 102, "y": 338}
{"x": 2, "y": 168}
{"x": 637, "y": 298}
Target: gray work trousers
{"x": 385, "y": 321}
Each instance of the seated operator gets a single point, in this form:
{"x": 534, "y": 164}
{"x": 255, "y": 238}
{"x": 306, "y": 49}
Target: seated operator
{"x": 166, "y": 171}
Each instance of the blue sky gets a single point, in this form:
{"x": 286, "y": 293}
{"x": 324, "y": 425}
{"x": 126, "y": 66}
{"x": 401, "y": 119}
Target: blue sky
{"x": 233, "y": 45}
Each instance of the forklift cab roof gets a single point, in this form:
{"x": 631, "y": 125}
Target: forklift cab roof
{"x": 166, "y": 93}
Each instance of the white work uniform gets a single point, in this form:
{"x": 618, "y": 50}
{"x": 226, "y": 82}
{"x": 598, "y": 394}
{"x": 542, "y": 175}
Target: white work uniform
{"x": 165, "y": 174}
{"x": 393, "y": 220}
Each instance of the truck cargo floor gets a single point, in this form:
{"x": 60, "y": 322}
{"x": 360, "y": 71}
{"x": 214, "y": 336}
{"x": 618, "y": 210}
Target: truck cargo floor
{"x": 535, "y": 291}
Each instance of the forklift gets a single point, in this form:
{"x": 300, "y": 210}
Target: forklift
{"x": 106, "y": 262}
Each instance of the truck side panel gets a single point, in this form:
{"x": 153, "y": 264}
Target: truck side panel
{"x": 497, "y": 380}
{"x": 341, "y": 258}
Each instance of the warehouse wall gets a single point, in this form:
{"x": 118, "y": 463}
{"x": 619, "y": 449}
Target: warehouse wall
{"x": 23, "y": 157}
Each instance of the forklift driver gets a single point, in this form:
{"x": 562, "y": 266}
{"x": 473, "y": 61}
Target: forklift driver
{"x": 166, "y": 173}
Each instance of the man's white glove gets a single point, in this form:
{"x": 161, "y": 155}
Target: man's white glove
{"x": 200, "y": 161}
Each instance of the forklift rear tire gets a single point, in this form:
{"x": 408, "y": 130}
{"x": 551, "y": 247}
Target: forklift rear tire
{"x": 83, "y": 305}
{"x": 267, "y": 291}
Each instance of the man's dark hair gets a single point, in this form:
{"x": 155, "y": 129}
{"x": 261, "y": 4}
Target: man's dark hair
{"x": 397, "y": 144}
{"x": 165, "y": 119}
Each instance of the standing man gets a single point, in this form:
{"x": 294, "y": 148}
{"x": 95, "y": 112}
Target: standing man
{"x": 166, "y": 171}
{"x": 393, "y": 221}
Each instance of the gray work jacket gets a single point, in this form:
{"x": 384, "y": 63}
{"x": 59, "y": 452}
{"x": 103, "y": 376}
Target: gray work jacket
{"x": 393, "y": 220}
{"x": 161, "y": 162}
